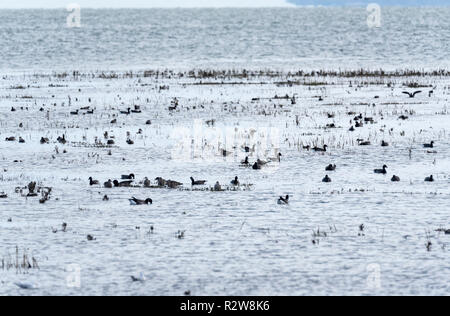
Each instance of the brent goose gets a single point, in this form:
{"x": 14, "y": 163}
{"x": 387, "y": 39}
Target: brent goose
{"x": 147, "y": 183}
{"x": 364, "y": 143}
{"x": 245, "y": 162}
{"x": 430, "y": 145}
{"x": 412, "y": 94}
{"x": 199, "y": 182}
{"x": 277, "y": 159}
{"x": 235, "y": 181}
{"x": 352, "y": 129}
{"x": 327, "y": 179}
{"x": 173, "y": 184}
{"x": 161, "y": 182}
{"x": 44, "y": 140}
{"x": 128, "y": 177}
{"x": 134, "y": 201}
{"x": 283, "y": 200}
{"x": 384, "y": 144}
{"x": 381, "y": 171}
{"x": 256, "y": 166}
{"x": 324, "y": 149}
{"x": 93, "y": 182}
{"x": 122, "y": 184}
{"x": 127, "y": 112}
{"x": 429, "y": 179}
{"x": 395, "y": 178}
{"x": 330, "y": 168}
{"x": 108, "y": 184}
{"x": 217, "y": 186}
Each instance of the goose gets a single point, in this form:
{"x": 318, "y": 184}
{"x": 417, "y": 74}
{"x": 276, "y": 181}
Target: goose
{"x": 412, "y": 94}
{"x": 261, "y": 162}
{"x": 395, "y": 178}
{"x": 161, "y": 182}
{"x": 276, "y": 159}
{"x": 352, "y": 129}
{"x": 245, "y": 162}
{"x": 324, "y": 149}
{"x": 381, "y": 171}
{"x": 128, "y": 177}
{"x": 44, "y": 140}
{"x": 127, "y": 112}
{"x": 10, "y": 139}
{"x": 358, "y": 124}
{"x": 364, "y": 143}
{"x": 430, "y": 145}
{"x": 93, "y": 182}
{"x": 62, "y": 140}
{"x": 147, "y": 183}
{"x": 3, "y": 195}
{"x": 74, "y": 112}
{"x": 199, "y": 182}
{"x": 217, "y": 186}
{"x": 122, "y": 184}
{"x": 429, "y": 179}
{"x": 330, "y": 168}
{"x": 173, "y": 184}
{"x": 256, "y": 166}
{"x": 108, "y": 184}
{"x": 327, "y": 179}
{"x": 283, "y": 200}
{"x": 134, "y": 201}
{"x": 384, "y": 144}
{"x": 235, "y": 181}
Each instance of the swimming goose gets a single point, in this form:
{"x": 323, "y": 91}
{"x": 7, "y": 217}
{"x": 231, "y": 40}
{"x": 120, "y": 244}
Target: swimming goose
{"x": 199, "y": 182}
{"x": 395, "y": 179}
{"x": 128, "y": 177}
{"x": 44, "y": 140}
{"x": 74, "y": 112}
{"x": 429, "y": 179}
{"x": 327, "y": 179}
{"x": 62, "y": 140}
{"x": 127, "y": 112}
{"x": 235, "y": 181}
{"x": 173, "y": 184}
{"x": 384, "y": 144}
{"x": 134, "y": 201}
{"x": 256, "y": 166}
{"x": 245, "y": 162}
{"x": 330, "y": 168}
{"x": 147, "y": 183}
{"x": 412, "y": 94}
{"x": 283, "y": 200}
{"x": 161, "y": 182}
{"x": 93, "y": 182}
{"x": 364, "y": 143}
{"x": 381, "y": 171}
{"x": 277, "y": 159}
{"x": 122, "y": 184}
{"x": 430, "y": 145}
{"x": 108, "y": 184}
{"x": 217, "y": 186}
{"x": 324, "y": 149}
{"x": 352, "y": 129}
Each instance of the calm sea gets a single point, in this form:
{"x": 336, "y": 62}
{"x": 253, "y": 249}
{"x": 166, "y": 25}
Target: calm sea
{"x": 288, "y": 38}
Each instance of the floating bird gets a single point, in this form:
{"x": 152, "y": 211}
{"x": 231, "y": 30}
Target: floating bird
{"x": 283, "y": 200}
{"x": 128, "y": 177}
{"x": 429, "y": 179}
{"x": 381, "y": 171}
{"x": 395, "y": 178}
{"x": 327, "y": 179}
{"x": 127, "y": 112}
{"x": 134, "y": 201}
{"x": 412, "y": 94}
{"x": 173, "y": 184}
{"x": 276, "y": 159}
{"x": 256, "y": 166}
{"x": 235, "y": 181}
{"x": 199, "y": 182}
{"x": 217, "y": 186}
{"x": 245, "y": 162}
{"x": 93, "y": 182}
{"x": 384, "y": 144}
{"x": 330, "y": 168}
{"x": 108, "y": 184}
{"x": 147, "y": 183}
{"x": 161, "y": 182}
{"x": 318, "y": 149}
{"x": 122, "y": 184}
{"x": 430, "y": 145}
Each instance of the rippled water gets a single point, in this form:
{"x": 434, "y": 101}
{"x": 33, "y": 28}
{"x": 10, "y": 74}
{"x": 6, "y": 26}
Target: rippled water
{"x": 236, "y": 243}
{"x": 186, "y": 38}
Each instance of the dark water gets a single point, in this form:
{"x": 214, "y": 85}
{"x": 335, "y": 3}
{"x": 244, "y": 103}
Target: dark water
{"x": 39, "y": 40}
